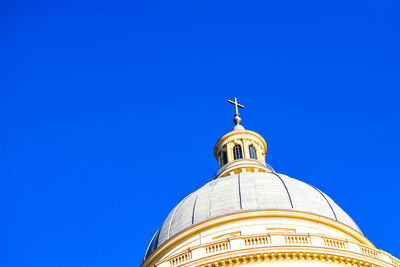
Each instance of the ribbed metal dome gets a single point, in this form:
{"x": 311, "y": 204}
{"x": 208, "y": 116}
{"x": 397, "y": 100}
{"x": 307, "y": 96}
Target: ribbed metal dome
{"x": 247, "y": 192}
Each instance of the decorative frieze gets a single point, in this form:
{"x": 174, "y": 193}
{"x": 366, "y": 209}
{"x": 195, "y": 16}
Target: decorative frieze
{"x": 266, "y": 257}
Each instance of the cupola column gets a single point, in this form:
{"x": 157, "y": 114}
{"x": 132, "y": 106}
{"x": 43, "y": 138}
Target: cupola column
{"x": 246, "y": 153}
{"x": 229, "y": 151}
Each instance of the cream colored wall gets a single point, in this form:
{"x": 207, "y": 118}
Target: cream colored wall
{"x": 256, "y": 226}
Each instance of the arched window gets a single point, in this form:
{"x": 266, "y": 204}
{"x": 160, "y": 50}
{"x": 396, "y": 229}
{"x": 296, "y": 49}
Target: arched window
{"x": 252, "y": 152}
{"x": 237, "y": 152}
{"x": 224, "y": 156}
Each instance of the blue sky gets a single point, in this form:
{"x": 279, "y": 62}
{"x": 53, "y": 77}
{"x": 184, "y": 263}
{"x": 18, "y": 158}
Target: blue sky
{"x": 110, "y": 112}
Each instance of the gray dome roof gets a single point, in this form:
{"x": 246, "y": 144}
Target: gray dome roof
{"x": 246, "y": 192}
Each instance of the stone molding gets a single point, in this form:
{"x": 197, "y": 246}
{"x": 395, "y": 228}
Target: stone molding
{"x": 242, "y": 165}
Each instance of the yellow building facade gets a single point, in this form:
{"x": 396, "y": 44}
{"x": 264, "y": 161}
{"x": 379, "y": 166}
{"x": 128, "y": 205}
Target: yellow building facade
{"x": 250, "y": 215}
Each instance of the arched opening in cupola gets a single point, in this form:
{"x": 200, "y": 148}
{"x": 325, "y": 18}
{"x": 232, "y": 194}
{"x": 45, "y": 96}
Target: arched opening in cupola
{"x": 252, "y": 152}
{"x": 237, "y": 152}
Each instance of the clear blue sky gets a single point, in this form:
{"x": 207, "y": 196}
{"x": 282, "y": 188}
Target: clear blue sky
{"x": 110, "y": 112}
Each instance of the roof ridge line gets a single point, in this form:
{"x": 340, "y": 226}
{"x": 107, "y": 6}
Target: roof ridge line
{"x": 214, "y": 182}
{"x": 240, "y": 192}
{"x": 173, "y": 214}
{"x": 194, "y": 208}
{"x": 287, "y": 191}
{"x": 322, "y": 194}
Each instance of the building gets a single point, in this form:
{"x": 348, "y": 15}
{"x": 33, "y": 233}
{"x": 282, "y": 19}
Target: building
{"x": 250, "y": 215}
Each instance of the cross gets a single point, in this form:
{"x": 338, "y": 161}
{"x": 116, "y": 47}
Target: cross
{"x": 236, "y": 105}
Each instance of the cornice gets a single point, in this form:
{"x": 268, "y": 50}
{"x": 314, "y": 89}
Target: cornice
{"x": 302, "y": 254}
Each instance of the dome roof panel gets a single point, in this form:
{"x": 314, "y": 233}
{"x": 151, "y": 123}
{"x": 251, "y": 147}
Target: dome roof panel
{"x": 201, "y": 209}
{"x": 182, "y": 214}
{"x": 225, "y": 197}
{"x": 164, "y": 230}
{"x": 271, "y": 192}
{"x": 307, "y": 198}
{"x": 248, "y": 192}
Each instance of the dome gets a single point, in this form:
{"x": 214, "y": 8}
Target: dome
{"x": 250, "y": 215}
{"x": 247, "y": 192}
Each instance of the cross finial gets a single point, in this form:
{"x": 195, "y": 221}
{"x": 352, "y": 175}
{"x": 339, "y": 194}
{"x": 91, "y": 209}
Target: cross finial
{"x": 236, "y": 105}
{"x": 237, "y": 118}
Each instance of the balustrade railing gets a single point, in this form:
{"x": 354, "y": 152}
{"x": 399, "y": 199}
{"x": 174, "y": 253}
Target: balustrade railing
{"x": 217, "y": 247}
{"x": 181, "y": 258}
{"x": 369, "y": 251}
{"x": 335, "y": 243}
{"x": 297, "y": 239}
{"x": 257, "y": 240}
{"x": 395, "y": 261}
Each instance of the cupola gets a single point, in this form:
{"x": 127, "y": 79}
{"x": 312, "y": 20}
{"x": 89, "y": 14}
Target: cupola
{"x": 240, "y": 150}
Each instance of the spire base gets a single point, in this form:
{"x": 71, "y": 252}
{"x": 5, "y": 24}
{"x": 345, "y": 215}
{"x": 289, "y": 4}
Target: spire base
{"x": 237, "y": 120}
